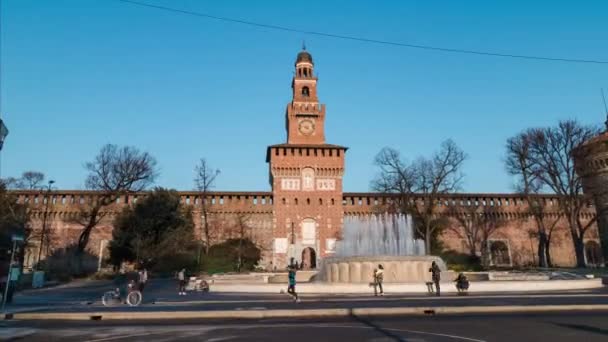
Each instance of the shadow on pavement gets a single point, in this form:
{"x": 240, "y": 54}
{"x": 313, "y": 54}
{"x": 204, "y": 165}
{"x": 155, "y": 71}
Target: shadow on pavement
{"x": 376, "y": 327}
{"x": 583, "y": 327}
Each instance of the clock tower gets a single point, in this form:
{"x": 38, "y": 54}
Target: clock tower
{"x": 305, "y": 115}
{"x": 306, "y": 178}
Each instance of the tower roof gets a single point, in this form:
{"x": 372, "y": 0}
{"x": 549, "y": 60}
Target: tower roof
{"x": 304, "y": 56}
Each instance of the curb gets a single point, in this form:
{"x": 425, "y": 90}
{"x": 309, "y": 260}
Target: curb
{"x": 303, "y": 313}
{"x": 361, "y": 288}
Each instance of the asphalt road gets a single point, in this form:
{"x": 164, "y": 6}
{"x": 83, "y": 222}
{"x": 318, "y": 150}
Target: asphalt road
{"x": 160, "y": 295}
{"x": 555, "y": 328}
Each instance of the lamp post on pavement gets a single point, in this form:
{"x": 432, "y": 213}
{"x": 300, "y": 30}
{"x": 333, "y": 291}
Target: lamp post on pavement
{"x": 7, "y": 284}
{"x": 44, "y": 219}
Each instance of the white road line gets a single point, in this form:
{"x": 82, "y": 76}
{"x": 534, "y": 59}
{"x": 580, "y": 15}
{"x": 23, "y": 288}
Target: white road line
{"x": 113, "y": 338}
{"x": 457, "y": 337}
{"x": 286, "y": 325}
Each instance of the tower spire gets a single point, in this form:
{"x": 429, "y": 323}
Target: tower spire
{"x": 303, "y": 44}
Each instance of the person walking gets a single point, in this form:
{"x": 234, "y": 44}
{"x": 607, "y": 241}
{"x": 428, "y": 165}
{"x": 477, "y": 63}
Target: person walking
{"x": 378, "y": 279}
{"x": 291, "y": 288}
{"x": 436, "y": 276}
{"x": 181, "y": 277}
{"x": 142, "y": 279}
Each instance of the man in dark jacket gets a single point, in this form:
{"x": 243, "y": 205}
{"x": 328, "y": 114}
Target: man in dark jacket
{"x": 436, "y": 276}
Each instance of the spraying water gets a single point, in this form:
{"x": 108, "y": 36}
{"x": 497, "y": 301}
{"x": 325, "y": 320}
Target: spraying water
{"x": 376, "y": 235}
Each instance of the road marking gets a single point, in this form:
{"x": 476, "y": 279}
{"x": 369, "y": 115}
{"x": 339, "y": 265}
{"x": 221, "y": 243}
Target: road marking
{"x": 275, "y": 326}
{"x": 457, "y": 337}
{"x": 126, "y": 336}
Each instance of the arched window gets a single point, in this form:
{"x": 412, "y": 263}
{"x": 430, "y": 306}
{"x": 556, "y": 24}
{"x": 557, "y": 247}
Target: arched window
{"x": 305, "y": 72}
{"x": 305, "y": 92}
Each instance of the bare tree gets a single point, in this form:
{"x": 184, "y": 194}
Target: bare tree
{"x": 520, "y": 164}
{"x": 476, "y": 225}
{"x": 115, "y": 171}
{"x": 13, "y": 183}
{"x": 204, "y": 181}
{"x": 420, "y": 184}
{"x": 242, "y": 229}
{"x": 553, "y": 164}
{"x": 29, "y": 180}
{"x": 32, "y": 179}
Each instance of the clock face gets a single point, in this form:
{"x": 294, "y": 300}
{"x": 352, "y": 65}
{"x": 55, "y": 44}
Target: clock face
{"x": 306, "y": 127}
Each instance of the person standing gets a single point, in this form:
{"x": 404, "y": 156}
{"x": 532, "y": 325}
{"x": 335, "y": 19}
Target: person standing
{"x": 436, "y": 276}
{"x": 181, "y": 277}
{"x": 378, "y": 279}
{"x": 142, "y": 279}
{"x": 291, "y": 288}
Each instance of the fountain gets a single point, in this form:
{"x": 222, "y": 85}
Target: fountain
{"x": 378, "y": 239}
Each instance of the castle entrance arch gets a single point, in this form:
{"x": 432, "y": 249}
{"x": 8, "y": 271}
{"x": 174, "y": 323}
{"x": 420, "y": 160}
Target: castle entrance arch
{"x": 309, "y": 243}
{"x": 309, "y": 259}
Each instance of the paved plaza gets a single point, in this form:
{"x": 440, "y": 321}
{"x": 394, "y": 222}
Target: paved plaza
{"x": 161, "y": 295}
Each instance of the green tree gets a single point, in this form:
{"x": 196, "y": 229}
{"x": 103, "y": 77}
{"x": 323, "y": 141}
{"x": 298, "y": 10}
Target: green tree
{"x": 233, "y": 255}
{"x": 157, "y": 231}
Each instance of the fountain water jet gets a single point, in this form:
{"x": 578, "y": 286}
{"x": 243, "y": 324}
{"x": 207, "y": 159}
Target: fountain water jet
{"x": 378, "y": 239}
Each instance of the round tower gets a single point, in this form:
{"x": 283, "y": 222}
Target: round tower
{"x": 591, "y": 163}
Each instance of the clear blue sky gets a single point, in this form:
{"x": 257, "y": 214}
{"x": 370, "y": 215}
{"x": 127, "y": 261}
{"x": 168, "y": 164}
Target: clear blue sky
{"x": 81, "y": 73}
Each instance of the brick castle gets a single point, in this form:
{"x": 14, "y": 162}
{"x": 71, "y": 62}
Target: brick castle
{"x": 300, "y": 219}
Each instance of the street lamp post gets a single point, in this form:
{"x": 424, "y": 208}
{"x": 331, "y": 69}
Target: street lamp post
{"x": 10, "y": 268}
{"x": 44, "y": 219}
{"x": 200, "y": 241}
{"x": 293, "y": 245}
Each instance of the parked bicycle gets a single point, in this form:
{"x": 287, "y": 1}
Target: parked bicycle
{"x": 113, "y": 297}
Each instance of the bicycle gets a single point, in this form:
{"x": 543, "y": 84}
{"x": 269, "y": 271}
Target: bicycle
{"x": 112, "y": 297}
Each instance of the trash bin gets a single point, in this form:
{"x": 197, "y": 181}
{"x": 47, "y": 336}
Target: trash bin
{"x": 38, "y": 279}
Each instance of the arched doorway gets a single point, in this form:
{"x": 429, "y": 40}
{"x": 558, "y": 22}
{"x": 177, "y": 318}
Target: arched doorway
{"x": 499, "y": 253}
{"x": 593, "y": 253}
{"x": 309, "y": 259}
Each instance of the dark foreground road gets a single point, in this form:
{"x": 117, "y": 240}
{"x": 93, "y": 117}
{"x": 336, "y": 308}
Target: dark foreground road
{"x": 519, "y": 328}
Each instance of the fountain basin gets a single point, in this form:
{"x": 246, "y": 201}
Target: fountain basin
{"x": 397, "y": 269}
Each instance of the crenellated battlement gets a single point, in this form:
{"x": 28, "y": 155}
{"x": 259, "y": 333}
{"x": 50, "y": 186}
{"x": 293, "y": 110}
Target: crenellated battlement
{"x": 509, "y": 205}
{"x": 66, "y": 203}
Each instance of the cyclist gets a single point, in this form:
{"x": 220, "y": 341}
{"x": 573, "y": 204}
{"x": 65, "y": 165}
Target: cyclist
{"x": 120, "y": 283}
